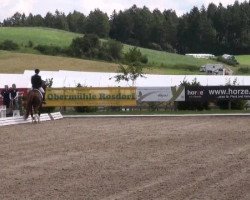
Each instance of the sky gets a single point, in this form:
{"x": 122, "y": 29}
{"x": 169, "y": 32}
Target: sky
{"x": 9, "y": 7}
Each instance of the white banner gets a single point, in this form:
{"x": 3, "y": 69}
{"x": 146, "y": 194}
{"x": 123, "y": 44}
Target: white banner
{"x": 160, "y": 94}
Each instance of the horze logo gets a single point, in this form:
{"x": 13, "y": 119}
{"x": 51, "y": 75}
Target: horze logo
{"x": 195, "y": 93}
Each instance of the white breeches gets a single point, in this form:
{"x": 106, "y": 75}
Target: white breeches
{"x": 41, "y": 90}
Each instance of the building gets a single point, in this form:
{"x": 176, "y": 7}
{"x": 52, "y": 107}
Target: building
{"x": 227, "y": 57}
{"x": 201, "y": 55}
{"x": 213, "y": 69}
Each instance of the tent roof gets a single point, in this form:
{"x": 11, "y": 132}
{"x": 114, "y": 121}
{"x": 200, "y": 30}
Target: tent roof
{"x": 63, "y": 78}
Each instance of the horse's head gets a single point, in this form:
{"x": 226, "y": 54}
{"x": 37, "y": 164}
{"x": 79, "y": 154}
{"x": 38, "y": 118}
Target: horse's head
{"x": 44, "y": 84}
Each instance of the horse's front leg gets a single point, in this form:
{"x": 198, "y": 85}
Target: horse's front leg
{"x": 33, "y": 118}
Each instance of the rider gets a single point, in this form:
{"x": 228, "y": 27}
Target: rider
{"x": 37, "y": 83}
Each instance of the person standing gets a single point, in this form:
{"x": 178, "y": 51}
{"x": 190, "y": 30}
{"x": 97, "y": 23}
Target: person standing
{"x": 37, "y": 83}
{"x": 6, "y": 96}
{"x": 14, "y": 97}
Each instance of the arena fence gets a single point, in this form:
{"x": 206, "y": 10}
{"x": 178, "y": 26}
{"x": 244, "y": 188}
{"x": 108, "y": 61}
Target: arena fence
{"x": 5, "y": 121}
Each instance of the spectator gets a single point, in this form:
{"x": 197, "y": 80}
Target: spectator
{"x": 6, "y": 96}
{"x": 14, "y": 97}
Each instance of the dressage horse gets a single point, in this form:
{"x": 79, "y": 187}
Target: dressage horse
{"x": 34, "y": 105}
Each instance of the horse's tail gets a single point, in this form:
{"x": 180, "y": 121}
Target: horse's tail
{"x": 28, "y": 106}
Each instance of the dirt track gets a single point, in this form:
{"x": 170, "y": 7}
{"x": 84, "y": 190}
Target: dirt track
{"x": 132, "y": 158}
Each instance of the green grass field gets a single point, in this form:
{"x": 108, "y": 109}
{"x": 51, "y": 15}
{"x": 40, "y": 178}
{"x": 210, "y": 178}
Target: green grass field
{"x": 46, "y": 36}
{"x": 244, "y": 65}
{"x": 169, "y": 60}
{"x": 160, "y": 62}
{"x": 243, "y": 59}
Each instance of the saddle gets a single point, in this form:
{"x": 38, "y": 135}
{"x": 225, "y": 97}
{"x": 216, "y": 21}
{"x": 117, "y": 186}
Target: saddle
{"x": 37, "y": 90}
{"x": 42, "y": 95}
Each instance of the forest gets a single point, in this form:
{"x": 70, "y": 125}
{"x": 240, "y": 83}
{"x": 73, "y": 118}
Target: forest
{"x": 212, "y": 29}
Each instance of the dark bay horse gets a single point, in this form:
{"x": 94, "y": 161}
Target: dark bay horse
{"x": 34, "y": 105}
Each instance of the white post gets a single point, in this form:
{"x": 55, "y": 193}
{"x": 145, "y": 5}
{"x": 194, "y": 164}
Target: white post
{"x": 2, "y": 111}
{"x": 16, "y": 113}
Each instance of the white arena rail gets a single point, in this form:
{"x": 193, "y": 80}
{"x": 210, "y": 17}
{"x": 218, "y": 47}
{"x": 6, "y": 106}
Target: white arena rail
{"x": 56, "y": 115}
{"x": 2, "y": 111}
{"x": 5, "y": 121}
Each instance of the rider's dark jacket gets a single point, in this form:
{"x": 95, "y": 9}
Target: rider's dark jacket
{"x": 36, "y": 81}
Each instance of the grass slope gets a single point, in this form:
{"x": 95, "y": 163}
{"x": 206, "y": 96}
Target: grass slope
{"x": 163, "y": 62}
{"x": 18, "y": 62}
{"x": 14, "y": 62}
{"x": 46, "y": 36}
{"x": 243, "y": 59}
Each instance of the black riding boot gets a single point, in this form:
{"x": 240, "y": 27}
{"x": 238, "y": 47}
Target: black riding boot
{"x": 44, "y": 102}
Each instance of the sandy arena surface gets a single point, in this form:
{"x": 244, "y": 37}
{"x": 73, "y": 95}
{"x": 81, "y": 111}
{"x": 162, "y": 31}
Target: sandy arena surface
{"x": 127, "y": 158}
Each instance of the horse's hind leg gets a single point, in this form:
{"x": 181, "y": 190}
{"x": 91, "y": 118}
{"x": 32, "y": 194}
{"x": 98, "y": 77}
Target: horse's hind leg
{"x": 39, "y": 114}
{"x": 38, "y": 118}
{"x": 32, "y": 115}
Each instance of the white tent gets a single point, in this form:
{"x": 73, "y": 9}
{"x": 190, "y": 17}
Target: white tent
{"x": 63, "y": 78}
{"x": 20, "y": 80}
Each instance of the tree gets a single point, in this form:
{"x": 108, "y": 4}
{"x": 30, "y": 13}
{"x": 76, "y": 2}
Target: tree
{"x": 38, "y": 20}
{"x": 98, "y": 23}
{"x": 49, "y": 20}
{"x": 60, "y": 21}
{"x": 158, "y": 32}
{"x": 129, "y": 73}
{"x": 88, "y": 46}
{"x": 207, "y": 36}
{"x": 142, "y": 19}
{"x": 196, "y": 33}
{"x": 76, "y": 22}
{"x": 30, "y": 20}
{"x": 15, "y": 20}
{"x": 113, "y": 49}
{"x": 122, "y": 27}
{"x": 135, "y": 57}
{"x": 172, "y": 22}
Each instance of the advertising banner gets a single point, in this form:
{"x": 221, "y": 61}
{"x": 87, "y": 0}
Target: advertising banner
{"x": 160, "y": 94}
{"x": 116, "y": 96}
{"x": 204, "y": 93}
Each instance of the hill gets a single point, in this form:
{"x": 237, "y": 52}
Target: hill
{"x": 243, "y": 59}
{"x": 46, "y": 36}
{"x": 11, "y": 62}
{"x": 15, "y": 62}
{"x": 161, "y": 62}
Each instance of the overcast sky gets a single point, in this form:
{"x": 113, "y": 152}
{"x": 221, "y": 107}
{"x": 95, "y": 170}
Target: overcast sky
{"x": 9, "y": 7}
